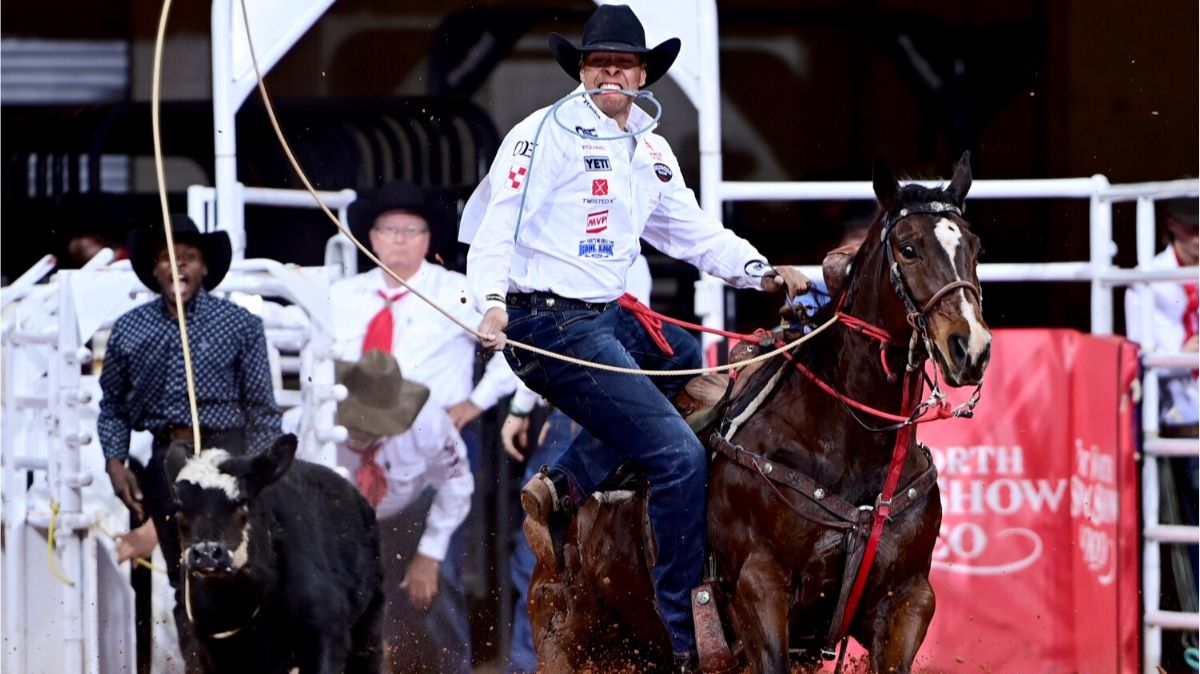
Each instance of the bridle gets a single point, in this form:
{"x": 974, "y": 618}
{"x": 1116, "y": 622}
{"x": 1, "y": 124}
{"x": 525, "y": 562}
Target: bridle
{"x": 937, "y": 402}
{"x": 916, "y": 317}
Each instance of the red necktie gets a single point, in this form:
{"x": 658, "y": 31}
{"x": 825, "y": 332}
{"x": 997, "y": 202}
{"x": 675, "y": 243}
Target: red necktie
{"x": 369, "y": 476}
{"x": 1191, "y": 312}
{"x": 379, "y": 330}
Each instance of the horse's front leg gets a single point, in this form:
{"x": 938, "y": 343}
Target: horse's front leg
{"x": 760, "y": 612}
{"x": 897, "y": 633}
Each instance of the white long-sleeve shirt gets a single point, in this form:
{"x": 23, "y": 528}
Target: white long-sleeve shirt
{"x": 430, "y": 349}
{"x": 1166, "y": 333}
{"x": 586, "y": 204}
{"x": 430, "y": 454}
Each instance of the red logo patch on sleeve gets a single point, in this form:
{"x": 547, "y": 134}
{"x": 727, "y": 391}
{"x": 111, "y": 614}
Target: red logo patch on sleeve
{"x": 516, "y": 176}
{"x": 600, "y": 187}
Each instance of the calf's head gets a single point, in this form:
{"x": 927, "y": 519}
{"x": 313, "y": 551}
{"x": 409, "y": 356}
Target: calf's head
{"x": 214, "y": 495}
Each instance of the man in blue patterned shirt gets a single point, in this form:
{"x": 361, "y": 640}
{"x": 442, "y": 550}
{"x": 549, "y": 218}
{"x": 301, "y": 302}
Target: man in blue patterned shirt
{"x": 145, "y": 387}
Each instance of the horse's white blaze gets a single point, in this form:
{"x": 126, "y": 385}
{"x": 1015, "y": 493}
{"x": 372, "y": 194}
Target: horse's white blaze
{"x": 949, "y": 235}
{"x": 979, "y": 338}
{"x": 242, "y": 553}
{"x": 203, "y": 472}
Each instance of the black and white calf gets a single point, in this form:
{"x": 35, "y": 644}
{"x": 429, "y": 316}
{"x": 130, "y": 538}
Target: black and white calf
{"x": 280, "y": 562}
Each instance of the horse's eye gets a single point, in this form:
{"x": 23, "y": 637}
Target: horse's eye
{"x": 908, "y": 252}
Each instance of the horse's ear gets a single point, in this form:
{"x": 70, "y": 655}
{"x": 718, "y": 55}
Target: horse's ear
{"x": 960, "y": 184}
{"x": 886, "y": 186}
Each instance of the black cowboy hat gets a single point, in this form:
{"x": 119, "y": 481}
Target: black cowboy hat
{"x": 144, "y": 245}
{"x": 397, "y": 195}
{"x": 615, "y": 28}
{"x": 1183, "y": 210}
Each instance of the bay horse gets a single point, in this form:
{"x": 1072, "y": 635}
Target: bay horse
{"x": 802, "y": 492}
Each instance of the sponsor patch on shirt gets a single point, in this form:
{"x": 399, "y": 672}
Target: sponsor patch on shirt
{"x": 663, "y": 172}
{"x": 596, "y": 248}
{"x": 516, "y": 176}
{"x": 523, "y": 148}
{"x": 591, "y": 146}
{"x": 654, "y": 154}
{"x": 590, "y": 133}
{"x": 600, "y": 187}
{"x": 757, "y": 268}
{"x": 596, "y": 222}
{"x": 596, "y": 163}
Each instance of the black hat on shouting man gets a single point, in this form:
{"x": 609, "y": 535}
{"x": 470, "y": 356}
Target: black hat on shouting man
{"x": 145, "y": 244}
{"x": 615, "y": 28}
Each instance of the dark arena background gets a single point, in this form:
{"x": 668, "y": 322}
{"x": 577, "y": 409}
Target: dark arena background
{"x": 810, "y": 93}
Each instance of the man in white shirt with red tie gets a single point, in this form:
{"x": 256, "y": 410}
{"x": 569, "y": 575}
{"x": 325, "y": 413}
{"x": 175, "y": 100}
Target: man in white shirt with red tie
{"x": 372, "y": 311}
{"x": 399, "y": 446}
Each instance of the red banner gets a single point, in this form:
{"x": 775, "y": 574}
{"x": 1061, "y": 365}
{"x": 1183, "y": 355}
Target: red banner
{"x": 1036, "y": 567}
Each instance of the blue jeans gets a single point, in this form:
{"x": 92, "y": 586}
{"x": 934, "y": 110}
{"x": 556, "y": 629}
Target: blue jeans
{"x": 560, "y": 431}
{"x": 626, "y": 418}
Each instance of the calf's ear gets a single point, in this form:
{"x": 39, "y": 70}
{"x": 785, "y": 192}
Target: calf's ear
{"x": 269, "y": 466}
{"x": 177, "y": 458}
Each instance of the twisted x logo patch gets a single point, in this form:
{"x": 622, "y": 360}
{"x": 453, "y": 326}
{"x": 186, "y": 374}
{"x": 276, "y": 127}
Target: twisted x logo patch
{"x": 600, "y": 187}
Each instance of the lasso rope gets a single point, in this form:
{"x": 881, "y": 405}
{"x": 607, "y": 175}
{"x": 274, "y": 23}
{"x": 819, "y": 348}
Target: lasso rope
{"x": 54, "y": 508}
{"x": 262, "y": 89}
{"x": 155, "y": 97}
{"x": 553, "y": 112}
{"x": 140, "y": 561}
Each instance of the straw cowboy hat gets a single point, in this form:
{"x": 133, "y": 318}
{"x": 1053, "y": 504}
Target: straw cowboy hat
{"x": 615, "y": 28}
{"x": 380, "y": 401}
{"x": 144, "y": 245}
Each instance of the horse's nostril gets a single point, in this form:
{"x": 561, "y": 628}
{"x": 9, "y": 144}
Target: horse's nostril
{"x": 958, "y": 348}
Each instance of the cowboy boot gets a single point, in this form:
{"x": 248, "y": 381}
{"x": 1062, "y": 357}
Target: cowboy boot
{"x": 546, "y": 518}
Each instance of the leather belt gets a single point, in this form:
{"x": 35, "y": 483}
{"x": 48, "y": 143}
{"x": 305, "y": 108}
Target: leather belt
{"x": 552, "y": 302}
{"x": 184, "y": 433}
